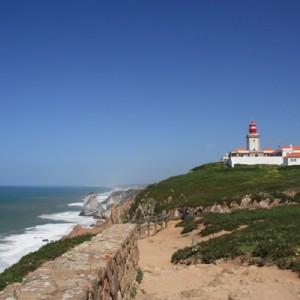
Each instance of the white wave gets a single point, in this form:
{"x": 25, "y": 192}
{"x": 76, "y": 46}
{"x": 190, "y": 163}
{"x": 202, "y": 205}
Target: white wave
{"x": 69, "y": 216}
{"x": 13, "y": 247}
{"x": 79, "y": 204}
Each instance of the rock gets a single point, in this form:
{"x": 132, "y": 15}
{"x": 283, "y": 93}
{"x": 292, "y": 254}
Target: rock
{"x": 246, "y": 202}
{"x": 102, "y": 210}
{"x": 145, "y": 209}
{"x": 225, "y": 207}
{"x": 264, "y": 203}
{"x": 120, "y": 196}
{"x": 234, "y": 205}
{"x": 90, "y": 206}
{"x": 218, "y": 208}
{"x": 276, "y": 202}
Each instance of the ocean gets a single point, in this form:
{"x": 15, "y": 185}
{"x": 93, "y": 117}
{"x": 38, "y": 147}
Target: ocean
{"x": 31, "y": 216}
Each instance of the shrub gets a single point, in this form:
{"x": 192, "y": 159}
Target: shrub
{"x": 133, "y": 292}
{"x": 184, "y": 253}
{"x": 139, "y": 275}
{"x": 189, "y": 224}
{"x": 189, "y": 227}
{"x": 271, "y": 238}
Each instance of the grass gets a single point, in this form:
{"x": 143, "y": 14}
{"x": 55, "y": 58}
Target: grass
{"x": 139, "y": 275}
{"x": 34, "y": 260}
{"x": 189, "y": 224}
{"x": 216, "y": 182}
{"x": 271, "y": 238}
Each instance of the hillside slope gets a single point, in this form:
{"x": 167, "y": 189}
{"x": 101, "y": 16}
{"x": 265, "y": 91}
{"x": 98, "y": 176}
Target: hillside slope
{"x": 215, "y": 183}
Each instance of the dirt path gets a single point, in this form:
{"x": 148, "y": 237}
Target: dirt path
{"x": 162, "y": 280}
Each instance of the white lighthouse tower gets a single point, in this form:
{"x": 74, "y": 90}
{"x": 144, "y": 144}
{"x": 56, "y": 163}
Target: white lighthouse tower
{"x": 253, "y": 139}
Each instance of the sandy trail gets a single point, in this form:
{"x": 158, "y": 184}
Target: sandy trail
{"x": 232, "y": 281}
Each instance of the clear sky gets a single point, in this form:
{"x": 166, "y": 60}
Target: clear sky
{"x": 120, "y": 92}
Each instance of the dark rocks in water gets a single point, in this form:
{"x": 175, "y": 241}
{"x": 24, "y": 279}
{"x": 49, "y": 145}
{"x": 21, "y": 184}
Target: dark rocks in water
{"x": 102, "y": 210}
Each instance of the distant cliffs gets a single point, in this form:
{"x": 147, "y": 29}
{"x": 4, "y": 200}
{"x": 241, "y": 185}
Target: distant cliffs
{"x": 102, "y": 209}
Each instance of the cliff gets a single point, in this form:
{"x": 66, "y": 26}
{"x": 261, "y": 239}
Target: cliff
{"x": 216, "y": 187}
{"x": 102, "y": 210}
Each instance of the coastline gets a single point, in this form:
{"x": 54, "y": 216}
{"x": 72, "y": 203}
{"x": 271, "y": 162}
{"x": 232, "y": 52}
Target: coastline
{"x": 33, "y": 238}
{"x": 30, "y": 217}
{"x": 99, "y": 226}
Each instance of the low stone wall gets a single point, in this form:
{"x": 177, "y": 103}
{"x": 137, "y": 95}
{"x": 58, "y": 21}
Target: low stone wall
{"x": 103, "y": 268}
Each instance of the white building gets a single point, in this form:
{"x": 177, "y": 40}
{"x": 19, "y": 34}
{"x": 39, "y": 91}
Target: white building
{"x": 253, "y": 155}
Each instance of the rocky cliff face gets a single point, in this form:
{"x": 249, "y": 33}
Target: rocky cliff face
{"x": 147, "y": 205}
{"x": 102, "y": 210}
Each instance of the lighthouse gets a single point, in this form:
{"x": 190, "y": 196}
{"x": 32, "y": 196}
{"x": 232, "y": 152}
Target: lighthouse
{"x": 253, "y": 155}
{"x": 253, "y": 138}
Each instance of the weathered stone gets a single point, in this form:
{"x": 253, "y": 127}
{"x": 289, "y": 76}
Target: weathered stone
{"x": 276, "y": 202}
{"x": 264, "y": 203}
{"x": 102, "y": 210}
{"x": 90, "y": 205}
{"x": 234, "y": 205}
{"x": 245, "y": 202}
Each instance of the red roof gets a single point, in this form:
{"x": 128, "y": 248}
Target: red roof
{"x": 240, "y": 149}
{"x": 295, "y": 154}
{"x": 269, "y": 149}
{"x": 293, "y": 147}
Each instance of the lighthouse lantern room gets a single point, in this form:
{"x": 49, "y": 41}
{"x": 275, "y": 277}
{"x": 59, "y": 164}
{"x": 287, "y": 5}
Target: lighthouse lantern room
{"x": 253, "y": 138}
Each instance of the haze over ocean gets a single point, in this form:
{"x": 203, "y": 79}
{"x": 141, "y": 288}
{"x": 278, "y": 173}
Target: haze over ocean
{"x": 29, "y": 215}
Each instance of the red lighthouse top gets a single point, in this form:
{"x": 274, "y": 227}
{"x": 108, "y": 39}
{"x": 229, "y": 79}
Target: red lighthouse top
{"x": 252, "y": 128}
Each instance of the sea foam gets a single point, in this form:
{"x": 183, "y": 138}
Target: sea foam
{"x": 15, "y": 246}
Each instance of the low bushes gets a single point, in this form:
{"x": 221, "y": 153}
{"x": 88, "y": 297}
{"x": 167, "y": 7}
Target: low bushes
{"x": 189, "y": 224}
{"x": 271, "y": 238}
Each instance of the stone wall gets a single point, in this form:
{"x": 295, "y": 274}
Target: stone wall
{"x": 103, "y": 268}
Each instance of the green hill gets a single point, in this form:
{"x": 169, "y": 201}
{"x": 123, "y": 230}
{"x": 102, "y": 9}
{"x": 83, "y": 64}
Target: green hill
{"x": 216, "y": 182}
{"x": 260, "y": 236}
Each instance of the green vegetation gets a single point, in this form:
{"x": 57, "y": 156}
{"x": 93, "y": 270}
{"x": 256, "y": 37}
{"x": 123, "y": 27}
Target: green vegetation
{"x": 268, "y": 237}
{"x": 272, "y": 236}
{"x": 133, "y": 292}
{"x": 216, "y": 182}
{"x": 34, "y": 260}
{"x": 139, "y": 275}
{"x": 189, "y": 224}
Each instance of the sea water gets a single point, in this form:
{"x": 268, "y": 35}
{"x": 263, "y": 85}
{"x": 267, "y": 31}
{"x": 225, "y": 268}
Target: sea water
{"x": 32, "y": 216}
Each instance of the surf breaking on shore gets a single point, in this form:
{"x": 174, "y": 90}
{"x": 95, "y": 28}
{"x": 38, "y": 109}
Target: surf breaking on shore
{"x": 16, "y": 245}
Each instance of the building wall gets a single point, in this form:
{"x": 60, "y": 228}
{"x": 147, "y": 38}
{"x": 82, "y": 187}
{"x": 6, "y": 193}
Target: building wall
{"x": 292, "y": 161}
{"x": 261, "y": 160}
{"x": 253, "y": 142}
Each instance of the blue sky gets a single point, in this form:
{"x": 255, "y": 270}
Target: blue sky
{"x": 120, "y": 92}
